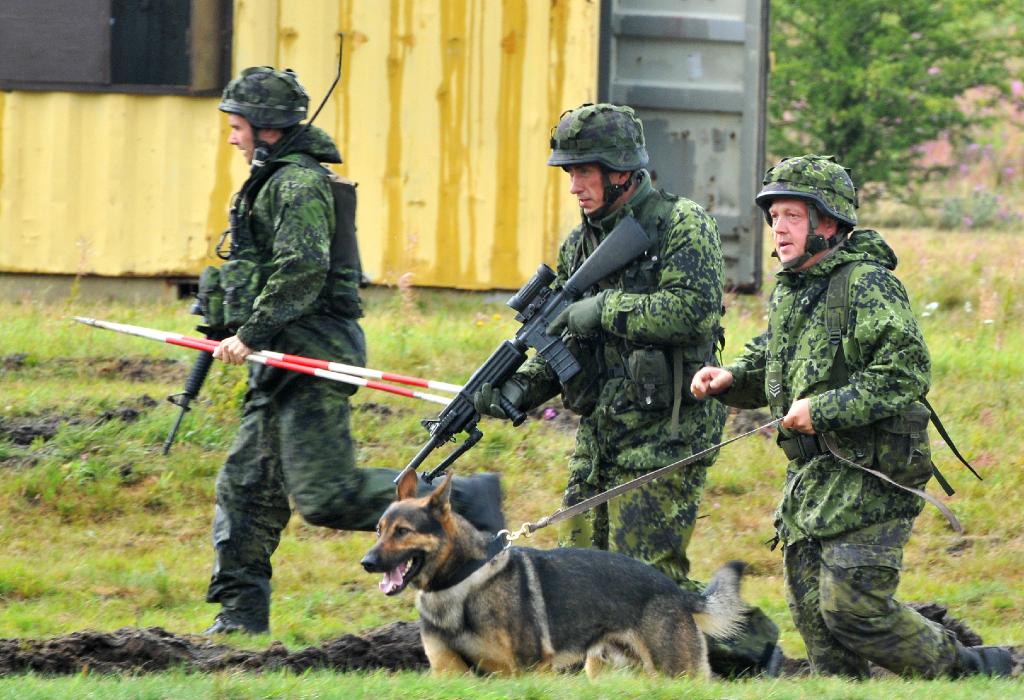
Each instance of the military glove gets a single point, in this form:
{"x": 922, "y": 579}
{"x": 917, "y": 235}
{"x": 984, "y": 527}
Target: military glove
{"x": 487, "y": 400}
{"x": 581, "y": 317}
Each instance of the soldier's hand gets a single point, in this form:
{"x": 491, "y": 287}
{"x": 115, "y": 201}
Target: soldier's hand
{"x": 710, "y": 381}
{"x": 581, "y": 317}
{"x": 487, "y": 400}
{"x": 799, "y": 417}
{"x": 232, "y": 350}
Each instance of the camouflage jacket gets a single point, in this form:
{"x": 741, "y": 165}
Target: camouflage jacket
{"x": 302, "y": 300}
{"x": 889, "y": 370}
{"x": 668, "y": 298}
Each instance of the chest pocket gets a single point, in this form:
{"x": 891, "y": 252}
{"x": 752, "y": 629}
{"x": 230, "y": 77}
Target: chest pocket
{"x": 642, "y": 277}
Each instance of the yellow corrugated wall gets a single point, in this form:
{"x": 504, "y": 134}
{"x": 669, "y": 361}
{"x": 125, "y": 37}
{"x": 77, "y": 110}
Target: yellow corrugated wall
{"x": 442, "y": 117}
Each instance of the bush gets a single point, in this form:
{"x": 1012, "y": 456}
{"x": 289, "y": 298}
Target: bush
{"x": 871, "y": 80}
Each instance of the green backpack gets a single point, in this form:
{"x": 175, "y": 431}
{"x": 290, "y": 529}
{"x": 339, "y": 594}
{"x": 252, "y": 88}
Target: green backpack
{"x": 917, "y": 416}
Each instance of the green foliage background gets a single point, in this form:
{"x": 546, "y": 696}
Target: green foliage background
{"x": 870, "y": 81}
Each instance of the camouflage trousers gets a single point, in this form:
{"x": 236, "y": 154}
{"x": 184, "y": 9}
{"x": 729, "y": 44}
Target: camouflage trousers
{"x": 654, "y": 523}
{"x": 294, "y": 442}
{"x": 840, "y": 592}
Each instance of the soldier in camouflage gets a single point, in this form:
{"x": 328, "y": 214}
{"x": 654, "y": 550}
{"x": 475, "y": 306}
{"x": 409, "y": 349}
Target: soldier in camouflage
{"x": 843, "y": 530}
{"x": 294, "y": 439}
{"x": 640, "y": 335}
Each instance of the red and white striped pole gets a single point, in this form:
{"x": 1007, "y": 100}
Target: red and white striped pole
{"x": 335, "y": 371}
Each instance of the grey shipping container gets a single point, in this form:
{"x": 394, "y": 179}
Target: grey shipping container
{"x": 695, "y": 71}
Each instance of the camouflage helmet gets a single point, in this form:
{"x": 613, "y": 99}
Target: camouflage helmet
{"x": 267, "y": 98}
{"x": 603, "y": 133}
{"x": 819, "y": 180}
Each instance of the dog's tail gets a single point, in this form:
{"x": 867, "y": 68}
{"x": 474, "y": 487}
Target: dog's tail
{"x": 721, "y": 612}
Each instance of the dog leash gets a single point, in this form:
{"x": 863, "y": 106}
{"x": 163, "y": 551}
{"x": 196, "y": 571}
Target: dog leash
{"x": 527, "y": 529}
{"x": 830, "y": 443}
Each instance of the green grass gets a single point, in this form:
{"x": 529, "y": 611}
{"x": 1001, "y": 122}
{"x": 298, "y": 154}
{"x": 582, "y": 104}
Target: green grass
{"x": 355, "y": 686}
{"x": 100, "y": 530}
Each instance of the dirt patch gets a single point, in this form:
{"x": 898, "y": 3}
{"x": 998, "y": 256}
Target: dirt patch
{"x": 743, "y": 421}
{"x": 393, "y": 647}
{"x": 12, "y": 363}
{"x": 135, "y": 369}
{"x": 379, "y": 409}
{"x": 938, "y": 613}
{"x": 557, "y": 416}
{"x": 24, "y": 430}
{"x": 141, "y": 369}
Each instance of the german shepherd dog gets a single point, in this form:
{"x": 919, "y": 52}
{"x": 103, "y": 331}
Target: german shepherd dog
{"x": 506, "y": 610}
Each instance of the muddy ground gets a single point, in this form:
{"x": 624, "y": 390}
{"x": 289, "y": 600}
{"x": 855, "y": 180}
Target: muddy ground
{"x": 393, "y": 647}
{"x": 23, "y": 430}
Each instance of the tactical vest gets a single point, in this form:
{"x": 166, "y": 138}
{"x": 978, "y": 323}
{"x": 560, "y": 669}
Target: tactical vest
{"x": 227, "y": 293}
{"x": 655, "y": 377}
{"x": 898, "y": 444}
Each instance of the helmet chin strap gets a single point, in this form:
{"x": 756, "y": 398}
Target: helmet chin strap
{"x": 260, "y": 154}
{"x": 612, "y": 192}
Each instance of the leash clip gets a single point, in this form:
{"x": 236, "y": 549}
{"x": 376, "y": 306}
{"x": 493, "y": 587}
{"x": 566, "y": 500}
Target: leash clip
{"x": 525, "y": 530}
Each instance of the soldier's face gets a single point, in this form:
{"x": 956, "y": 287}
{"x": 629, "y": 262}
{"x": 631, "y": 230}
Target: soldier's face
{"x": 790, "y": 227}
{"x": 242, "y": 136}
{"x": 586, "y": 183}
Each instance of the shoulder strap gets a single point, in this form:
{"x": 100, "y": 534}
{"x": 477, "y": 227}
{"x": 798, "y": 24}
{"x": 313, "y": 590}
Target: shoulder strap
{"x": 837, "y": 318}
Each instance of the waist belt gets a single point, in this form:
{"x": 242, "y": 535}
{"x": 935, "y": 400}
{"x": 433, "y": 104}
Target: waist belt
{"x": 803, "y": 447}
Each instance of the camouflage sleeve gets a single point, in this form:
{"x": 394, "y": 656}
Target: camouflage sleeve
{"x": 747, "y": 390}
{"x": 687, "y": 305}
{"x": 301, "y": 210}
{"x": 896, "y": 365}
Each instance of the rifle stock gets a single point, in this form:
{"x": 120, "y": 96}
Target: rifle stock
{"x": 536, "y": 305}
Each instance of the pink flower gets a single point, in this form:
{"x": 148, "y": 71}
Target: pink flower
{"x": 934, "y": 70}
{"x": 1017, "y": 88}
{"x": 550, "y": 414}
{"x": 968, "y": 222}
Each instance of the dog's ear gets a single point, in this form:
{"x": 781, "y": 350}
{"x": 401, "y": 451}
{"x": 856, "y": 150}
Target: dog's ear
{"x": 407, "y": 483}
{"x": 440, "y": 499}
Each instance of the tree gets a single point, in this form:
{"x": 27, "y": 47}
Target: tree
{"x": 869, "y": 80}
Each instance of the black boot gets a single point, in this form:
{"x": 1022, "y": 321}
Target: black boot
{"x": 753, "y": 650}
{"x": 476, "y": 497}
{"x": 983, "y": 660}
{"x": 224, "y": 623}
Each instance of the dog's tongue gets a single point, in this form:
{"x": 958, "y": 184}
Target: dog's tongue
{"x": 392, "y": 580}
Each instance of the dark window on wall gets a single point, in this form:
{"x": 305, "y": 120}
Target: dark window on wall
{"x": 142, "y": 46}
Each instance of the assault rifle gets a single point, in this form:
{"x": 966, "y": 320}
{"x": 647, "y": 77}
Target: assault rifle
{"x": 536, "y": 305}
{"x": 194, "y": 382}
